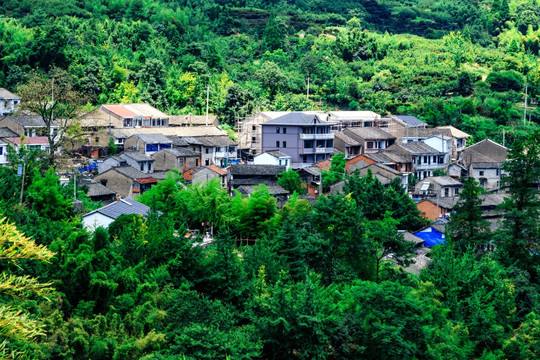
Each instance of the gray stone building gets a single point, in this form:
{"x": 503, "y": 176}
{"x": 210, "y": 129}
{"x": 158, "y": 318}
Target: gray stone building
{"x": 178, "y": 158}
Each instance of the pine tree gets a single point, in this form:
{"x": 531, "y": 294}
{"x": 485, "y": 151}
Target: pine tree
{"x": 467, "y": 228}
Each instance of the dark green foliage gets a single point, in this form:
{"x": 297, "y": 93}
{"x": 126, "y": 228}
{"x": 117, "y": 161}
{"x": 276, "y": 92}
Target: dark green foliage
{"x": 291, "y": 181}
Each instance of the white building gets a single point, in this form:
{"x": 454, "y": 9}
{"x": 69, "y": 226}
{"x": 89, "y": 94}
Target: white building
{"x": 8, "y": 102}
{"x": 273, "y": 157}
{"x": 104, "y": 216}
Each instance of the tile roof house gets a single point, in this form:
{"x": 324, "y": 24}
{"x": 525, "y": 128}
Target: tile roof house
{"x": 372, "y": 139}
{"x": 437, "y": 186}
{"x": 32, "y": 143}
{"x": 207, "y": 173}
{"x": 120, "y": 116}
{"x": 110, "y": 162}
{"x": 352, "y": 119}
{"x": 147, "y": 143}
{"x": 193, "y": 120}
{"x": 178, "y": 158}
{"x": 241, "y": 174}
{"x": 423, "y": 159}
{"x": 3, "y": 152}
{"x": 273, "y": 157}
{"x": 105, "y": 215}
{"x": 126, "y": 181}
{"x": 138, "y": 161}
{"x": 347, "y": 145}
{"x": 98, "y": 192}
{"x": 304, "y": 136}
{"x": 8, "y": 102}
{"x": 29, "y": 125}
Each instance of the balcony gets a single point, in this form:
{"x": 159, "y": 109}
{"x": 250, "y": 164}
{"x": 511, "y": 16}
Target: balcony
{"x": 329, "y": 136}
{"x": 323, "y": 150}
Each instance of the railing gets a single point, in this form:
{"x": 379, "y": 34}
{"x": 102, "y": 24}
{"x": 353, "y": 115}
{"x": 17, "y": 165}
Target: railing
{"x": 317, "y": 136}
{"x": 322, "y": 150}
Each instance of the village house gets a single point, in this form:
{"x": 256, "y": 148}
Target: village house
{"x": 437, "y": 186}
{"x": 126, "y": 181}
{"x": 207, "y": 173}
{"x": 105, "y": 215}
{"x": 484, "y": 151}
{"x": 422, "y": 158}
{"x": 241, "y": 174}
{"x": 120, "y": 116}
{"x": 31, "y": 143}
{"x": 213, "y": 150}
{"x": 139, "y": 161}
{"x": 372, "y": 139}
{"x": 250, "y": 131}
{"x": 9, "y": 102}
{"x": 488, "y": 174}
{"x": 147, "y": 143}
{"x": 276, "y": 191}
{"x": 27, "y": 125}
{"x": 178, "y": 158}
{"x": 98, "y": 192}
{"x": 382, "y": 172}
{"x": 347, "y": 145}
{"x": 110, "y": 162}
{"x": 396, "y": 124}
{"x": 305, "y": 137}
{"x": 273, "y": 157}
{"x": 3, "y": 153}
{"x": 193, "y": 120}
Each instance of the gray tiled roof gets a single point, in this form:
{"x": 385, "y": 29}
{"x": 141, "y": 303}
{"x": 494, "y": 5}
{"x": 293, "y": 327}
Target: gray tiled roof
{"x": 443, "y": 181}
{"x": 6, "y": 94}
{"x": 154, "y": 138}
{"x": 486, "y": 165}
{"x": 96, "y": 189}
{"x": 130, "y": 172}
{"x": 417, "y": 147}
{"x": 181, "y": 152}
{"x": 137, "y": 156}
{"x": 277, "y": 154}
{"x": 369, "y": 133}
{"x": 241, "y": 169}
{"x": 123, "y": 207}
{"x": 410, "y": 120}
{"x": 394, "y": 156}
{"x": 27, "y": 120}
{"x": 297, "y": 118}
{"x": 347, "y": 139}
{"x": 177, "y": 141}
{"x": 6, "y": 133}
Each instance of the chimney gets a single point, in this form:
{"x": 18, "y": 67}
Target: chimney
{"x": 118, "y": 198}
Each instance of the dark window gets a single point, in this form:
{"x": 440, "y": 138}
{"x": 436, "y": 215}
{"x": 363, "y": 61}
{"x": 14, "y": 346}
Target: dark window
{"x": 253, "y": 128}
{"x": 142, "y": 166}
{"x": 425, "y": 159}
{"x": 308, "y": 144}
{"x": 164, "y": 146}
{"x": 1, "y": 150}
{"x": 446, "y": 191}
{"x": 481, "y": 173}
{"x": 370, "y": 145}
{"x": 253, "y": 138}
{"x": 284, "y": 130}
{"x": 329, "y": 143}
{"x": 277, "y": 130}
{"x": 151, "y": 147}
{"x": 284, "y": 144}
{"x": 206, "y": 162}
{"x": 207, "y": 150}
{"x": 277, "y": 144}
{"x": 149, "y": 166}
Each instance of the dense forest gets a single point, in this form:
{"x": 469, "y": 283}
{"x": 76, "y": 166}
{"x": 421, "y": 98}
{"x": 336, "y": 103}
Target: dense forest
{"x": 465, "y": 63}
{"x": 323, "y": 280}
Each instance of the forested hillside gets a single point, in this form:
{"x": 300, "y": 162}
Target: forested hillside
{"x": 311, "y": 280}
{"x": 467, "y": 63}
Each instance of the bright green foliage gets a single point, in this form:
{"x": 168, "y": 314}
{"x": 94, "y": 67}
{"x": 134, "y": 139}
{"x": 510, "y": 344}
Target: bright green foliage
{"x": 336, "y": 172}
{"x": 45, "y": 195}
{"x": 291, "y": 181}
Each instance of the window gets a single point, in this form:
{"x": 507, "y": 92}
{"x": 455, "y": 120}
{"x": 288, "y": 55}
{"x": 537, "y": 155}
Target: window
{"x": 1, "y": 150}
{"x": 446, "y": 192}
{"x": 206, "y": 162}
{"x": 329, "y": 143}
{"x": 308, "y": 144}
{"x": 151, "y": 147}
{"x": 181, "y": 162}
{"x": 253, "y": 138}
{"x": 142, "y": 166}
{"x": 425, "y": 159}
{"x": 370, "y": 144}
{"x": 207, "y": 150}
{"x": 149, "y": 166}
{"x": 498, "y": 172}
{"x": 284, "y": 130}
{"x": 164, "y": 146}
{"x": 481, "y": 173}
{"x": 97, "y": 139}
{"x": 253, "y": 128}
{"x": 284, "y": 144}
{"x": 277, "y": 130}
{"x": 277, "y": 144}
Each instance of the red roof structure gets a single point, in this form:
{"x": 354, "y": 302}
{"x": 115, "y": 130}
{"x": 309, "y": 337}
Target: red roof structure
{"x": 37, "y": 140}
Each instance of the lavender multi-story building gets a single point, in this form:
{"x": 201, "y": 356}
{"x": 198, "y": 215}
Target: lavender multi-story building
{"x": 305, "y": 137}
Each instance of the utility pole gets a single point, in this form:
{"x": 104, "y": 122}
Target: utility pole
{"x": 307, "y": 92}
{"x": 207, "y": 101}
{"x": 23, "y": 173}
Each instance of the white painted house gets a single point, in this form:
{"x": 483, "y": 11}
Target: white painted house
{"x": 273, "y": 157}
{"x": 105, "y": 215}
{"x": 3, "y": 153}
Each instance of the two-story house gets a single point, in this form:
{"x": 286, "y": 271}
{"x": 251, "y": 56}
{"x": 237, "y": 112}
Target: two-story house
{"x": 147, "y": 143}
{"x": 423, "y": 158}
{"x": 31, "y": 143}
{"x": 306, "y": 138}
{"x": 441, "y": 143}
{"x": 372, "y": 139}
{"x": 352, "y": 119}
{"x": 437, "y": 186}
{"x": 126, "y": 180}
{"x": 347, "y": 145}
{"x": 27, "y": 125}
{"x": 484, "y": 161}
{"x": 139, "y": 161}
{"x": 8, "y": 102}
{"x": 177, "y": 158}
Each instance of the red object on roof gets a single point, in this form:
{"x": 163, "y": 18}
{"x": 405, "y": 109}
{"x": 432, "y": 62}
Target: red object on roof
{"x": 187, "y": 175}
{"x": 217, "y": 170}
{"x": 37, "y": 140}
{"x": 146, "y": 180}
{"x": 120, "y": 110}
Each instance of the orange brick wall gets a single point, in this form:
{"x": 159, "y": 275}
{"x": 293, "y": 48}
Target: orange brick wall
{"x": 429, "y": 210}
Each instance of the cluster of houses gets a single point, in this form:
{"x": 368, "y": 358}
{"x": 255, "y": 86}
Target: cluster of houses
{"x": 150, "y": 143}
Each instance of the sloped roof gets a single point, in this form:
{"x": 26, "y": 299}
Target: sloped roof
{"x": 188, "y": 174}
{"x": 178, "y": 142}
{"x": 137, "y": 156}
{"x": 313, "y": 170}
{"x": 353, "y": 115}
{"x": 134, "y": 110}
{"x": 217, "y": 170}
{"x": 455, "y": 132}
{"x": 6, "y": 133}
{"x": 180, "y": 152}
{"x": 370, "y": 133}
{"x": 416, "y": 148}
{"x": 6, "y": 94}
{"x": 35, "y": 140}
{"x": 180, "y": 131}
{"x": 96, "y": 189}
{"x": 27, "y": 120}
{"x": 297, "y": 118}
{"x": 275, "y": 153}
{"x": 123, "y": 207}
{"x": 410, "y": 121}
{"x": 349, "y": 141}
{"x": 242, "y": 169}
{"x": 444, "y": 202}
{"x": 187, "y": 120}
{"x": 154, "y": 138}
{"x": 486, "y": 165}
{"x": 394, "y": 156}
{"x": 442, "y": 180}
{"x": 128, "y": 171}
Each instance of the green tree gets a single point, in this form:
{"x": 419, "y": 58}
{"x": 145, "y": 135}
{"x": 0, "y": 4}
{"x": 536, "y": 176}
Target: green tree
{"x": 272, "y": 77}
{"x": 273, "y": 34}
{"x": 467, "y": 228}
{"x": 458, "y": 46}
{"x": 336, "y": 172}
{"x": 291, "y": 181}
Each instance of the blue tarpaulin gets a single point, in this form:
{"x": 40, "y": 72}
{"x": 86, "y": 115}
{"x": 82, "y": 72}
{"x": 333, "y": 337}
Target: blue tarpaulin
{"x": 430, "y": 236}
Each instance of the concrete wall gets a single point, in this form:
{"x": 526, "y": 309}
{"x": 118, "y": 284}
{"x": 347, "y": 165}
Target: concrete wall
{"x": 490, "y": 178}
{"x": 205, "y": 175}
{"x": 91, "y": 222}
{"x": 429, "y": 210}
{"x": 164, "y": 160}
